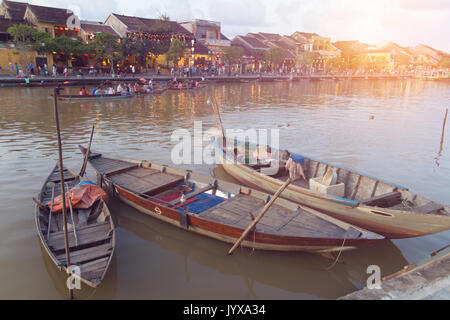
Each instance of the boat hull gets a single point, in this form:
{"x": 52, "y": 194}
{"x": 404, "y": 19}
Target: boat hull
{"x": 389, "y": 223}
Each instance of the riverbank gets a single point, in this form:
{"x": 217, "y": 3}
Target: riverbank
{"x": 39, "y": 81}
{"x": 428, "y": 279}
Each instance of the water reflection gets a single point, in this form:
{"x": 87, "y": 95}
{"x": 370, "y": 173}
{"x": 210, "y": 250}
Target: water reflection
{"x": 327, "y": 120}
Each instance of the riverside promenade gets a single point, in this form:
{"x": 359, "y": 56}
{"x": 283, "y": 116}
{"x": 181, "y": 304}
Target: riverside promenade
{"x": 429, "y": 279}
{"x": 86, "y": 80}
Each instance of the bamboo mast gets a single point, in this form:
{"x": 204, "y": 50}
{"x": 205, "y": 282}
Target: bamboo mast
{"x": 61, "y": 177}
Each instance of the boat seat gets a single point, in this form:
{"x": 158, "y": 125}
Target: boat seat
{"x": 384, "y": 200}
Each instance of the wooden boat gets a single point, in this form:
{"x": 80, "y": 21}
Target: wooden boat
{"x": 92, "y": 97}
{"x": 370, "y": 203}
{"x": 94, "y": 247}
{"x": 222, "y": 210}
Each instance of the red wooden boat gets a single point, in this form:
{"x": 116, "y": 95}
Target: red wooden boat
{"x": 223, "y": 210}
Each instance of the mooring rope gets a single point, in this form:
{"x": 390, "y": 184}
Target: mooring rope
{"x": 340, "y": 251}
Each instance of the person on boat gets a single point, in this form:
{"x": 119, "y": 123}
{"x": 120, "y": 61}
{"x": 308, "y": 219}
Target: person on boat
{"x": 150, "y": 84}
{"x": 128, "y": 89}
{"x": 80, "y": 93}
{"x": 136, "y": 87}
{"x": 110, "y": 91}
{"x": 83, "y": 91}
{"x": 93, "y": 91}
{"x": 197, "y": 84}
{"x": 180, "y": 85}
{"x": 119, "y": 89}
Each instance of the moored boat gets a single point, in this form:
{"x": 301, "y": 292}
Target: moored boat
{"x": 94, "y": 97}
{"x": 186, "y": 88}
{"x": 370, "y": 203}
{"x": 91, "y": 235}
{"x": 222, "y": 210}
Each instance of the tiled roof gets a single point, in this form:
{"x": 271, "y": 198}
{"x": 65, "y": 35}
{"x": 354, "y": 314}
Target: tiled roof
{"x": 223, "y": 37}
{"x": 16, "y": 10}
{"x": 255, "y": 35}
{"x": 252, "y": 42}
{"x": 6, "y": 23}
{"x": 50, "y": 15}
{"x": 96, "y": 27}
{"x": 137, "y": 24}
{"x": 270, "y": 36}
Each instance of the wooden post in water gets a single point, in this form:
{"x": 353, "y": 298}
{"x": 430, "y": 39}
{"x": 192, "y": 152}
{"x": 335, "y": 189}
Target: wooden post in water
{"x": 61, "y": 177}
{"x": 443, "y": 128}
{"x": 260, "y": 215}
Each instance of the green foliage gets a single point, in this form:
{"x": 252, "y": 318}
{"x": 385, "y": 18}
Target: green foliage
{"x": 275, "y": 55}
{"x": 445, "y": 61}
{"x": 176, "y": 50}
{"x": 335, "y": 64}
{"x": 259, "y": 54}
{"x": 380, "y": 62}
{"x": 231, "y": 55}
{"x": 23, "y": 34}
{"x": 305, "y": 59}
{"x": 361, "y": 62}
{"x": 402, "y": 60}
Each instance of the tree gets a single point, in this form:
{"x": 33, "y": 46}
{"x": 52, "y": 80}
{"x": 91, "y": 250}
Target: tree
{"x": 23, "y": 37}
{"x": 445, "y": 61}
{"x": 275, "y": 56}
{"x": 305, "y": 59}
{"x": 401, "y": 60}
{"x": 380, "y": 62}
{"x": 232, "y": 55}
{"x": 106, "y": 46}
{"x": 361, "y": 62}
{"x": 334, "y": 64}
{"x": 176, "y": 50}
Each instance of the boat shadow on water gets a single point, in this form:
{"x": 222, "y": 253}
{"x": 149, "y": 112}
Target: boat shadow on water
{"x": 304, "y": 274}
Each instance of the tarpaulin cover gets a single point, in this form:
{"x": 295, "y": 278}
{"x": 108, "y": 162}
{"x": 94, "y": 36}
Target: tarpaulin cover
{"x": 82, "y": 196}
{"x": 203, "y": 202}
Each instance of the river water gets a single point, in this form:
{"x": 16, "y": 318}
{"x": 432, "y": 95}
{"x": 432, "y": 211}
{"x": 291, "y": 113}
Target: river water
{"x": 386, "y": 128}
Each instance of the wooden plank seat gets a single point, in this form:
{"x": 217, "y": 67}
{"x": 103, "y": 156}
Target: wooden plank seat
{"x": 111, "y": 166}
{"x": 428, "y": 208}
{"x": 384, "y": 200}
{"x": 145, "y": 181}
{"x": 85, "y": 236}
{"x": 88, "y": 254}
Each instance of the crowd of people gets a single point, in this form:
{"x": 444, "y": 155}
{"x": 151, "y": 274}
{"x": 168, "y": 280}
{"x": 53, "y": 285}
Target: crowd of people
{"x": 121, "y": 88}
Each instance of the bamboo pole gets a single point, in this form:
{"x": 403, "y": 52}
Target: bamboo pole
{"x": 86, "y": 156}
{"x": 443, "y": 128}
{"x": 260, "y": 215}
{"x": 61, "y": 177}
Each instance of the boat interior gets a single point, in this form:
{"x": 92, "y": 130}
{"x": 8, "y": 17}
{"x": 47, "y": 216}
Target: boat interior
{"x": 90, "y": 231}
{"x": 220, "y": 202}
{"x": 333, "y": 181}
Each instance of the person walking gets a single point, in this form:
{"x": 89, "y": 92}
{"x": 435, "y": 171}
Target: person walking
{"x": 54, "y": 70}
{"x": 159, "y": 70}
{"x": 16, "y": 67}
{"x": 65, "y": 72}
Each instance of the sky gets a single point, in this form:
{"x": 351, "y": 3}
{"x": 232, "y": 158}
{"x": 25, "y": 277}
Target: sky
{"x": 406, "y": 22}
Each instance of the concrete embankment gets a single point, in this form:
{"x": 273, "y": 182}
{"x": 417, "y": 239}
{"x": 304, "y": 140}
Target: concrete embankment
{"x": 426, "y": 280}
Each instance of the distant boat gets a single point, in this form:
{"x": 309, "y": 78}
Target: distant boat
{"x": 223, "y": 210}
{"x": 370, "y": 203}
{"x": 92, "y": 248}
{"x": 94, "y": 97}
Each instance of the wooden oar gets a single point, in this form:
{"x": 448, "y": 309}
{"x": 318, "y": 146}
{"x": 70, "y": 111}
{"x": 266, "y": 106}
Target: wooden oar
{"x": 260, "y": 215}
{"x": 61, "y": 178}
{"x": 52, "y": 184}
{"x": 83, "y": 167}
